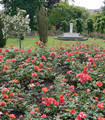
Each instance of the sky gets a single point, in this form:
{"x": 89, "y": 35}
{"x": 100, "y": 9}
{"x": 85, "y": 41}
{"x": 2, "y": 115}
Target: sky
{"x": 90, "y": 4}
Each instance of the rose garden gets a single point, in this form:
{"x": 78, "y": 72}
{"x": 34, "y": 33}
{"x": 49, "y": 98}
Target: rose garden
{"x": 52, "y": 79}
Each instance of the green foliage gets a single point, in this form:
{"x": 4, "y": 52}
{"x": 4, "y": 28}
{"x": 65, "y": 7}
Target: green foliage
{"x": 100, "y": 25}
{"x": 42, "y": 20}
{"x": 65, "y": 26}
{"x": 29, "y": 5}
{"x": 79, "y": 25}
{"x": 95, "y": 16}
{"x": 64, "y": 11}
{"x": 80, "y": 12}
{"x": 2, "y": 39}
{"x": 90, "y": 27}
{"x": 59, "y": 14}
{"x": 103, "y": 11}
{"x": 17, "y": 24}
{"x": 52, "y": 2}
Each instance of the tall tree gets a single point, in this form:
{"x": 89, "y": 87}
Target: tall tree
{"x": 103, "y": 11}
{"x": 29, "y": 5}
{"x": 79, "y": 25}
{"x": 42, "y": 24}
{"x": 64, "y": 11}
{"x": 90, "y": 26}
{"x": 2, "y": 39}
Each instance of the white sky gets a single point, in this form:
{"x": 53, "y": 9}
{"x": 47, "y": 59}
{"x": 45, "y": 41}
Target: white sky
{"x": 90, "y": 4}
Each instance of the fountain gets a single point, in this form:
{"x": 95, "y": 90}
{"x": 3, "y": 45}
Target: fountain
{"x": 71, "y": 36}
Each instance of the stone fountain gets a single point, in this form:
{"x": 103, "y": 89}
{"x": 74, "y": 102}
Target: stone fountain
{"x": 72, "y": 36}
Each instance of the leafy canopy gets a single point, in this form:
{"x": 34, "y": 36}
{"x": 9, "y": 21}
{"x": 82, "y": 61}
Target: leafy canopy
{"x": 18, "y": 24}
{"x": 64, "y": 11}
{"x": 29, "y": 5}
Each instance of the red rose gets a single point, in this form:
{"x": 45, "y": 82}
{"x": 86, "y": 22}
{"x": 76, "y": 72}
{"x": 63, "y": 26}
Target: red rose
{"x": 99, "y": 84}
{"x": 100, "y": 105}
{"x": 72, "y": 111}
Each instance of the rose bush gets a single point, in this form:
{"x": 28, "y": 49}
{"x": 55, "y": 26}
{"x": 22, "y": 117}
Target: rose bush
{"x": 95, "y": 35}
{"x": 67, "y": 83}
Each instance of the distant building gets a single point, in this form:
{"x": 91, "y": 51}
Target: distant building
{"x": 92, "y": 11}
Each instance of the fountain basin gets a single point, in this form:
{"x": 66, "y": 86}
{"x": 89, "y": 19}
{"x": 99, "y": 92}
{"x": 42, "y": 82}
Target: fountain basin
{"x": 71, "y": 37}
{"x": 71, "y": 34}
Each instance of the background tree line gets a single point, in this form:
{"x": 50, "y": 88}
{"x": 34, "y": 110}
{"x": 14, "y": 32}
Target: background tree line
{"x": 56, "y": 14}
{"x": 59, "y": 15}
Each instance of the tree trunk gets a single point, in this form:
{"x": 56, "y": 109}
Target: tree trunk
{"x": 20, "y": 43}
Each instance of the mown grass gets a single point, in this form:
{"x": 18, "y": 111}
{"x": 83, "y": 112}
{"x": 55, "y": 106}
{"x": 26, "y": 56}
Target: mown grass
{"x": 29, "y": 42}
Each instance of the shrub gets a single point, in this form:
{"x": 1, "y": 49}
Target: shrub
{"x": 95, "y": 35}
{"x": 65, "y": 26}
{"x": 2, "y": 39}
{"x": 90, "y": 25}
{"x": 100, "y": 25}
{"x": 79, "y": 25}
{"x": 42, "y": 20}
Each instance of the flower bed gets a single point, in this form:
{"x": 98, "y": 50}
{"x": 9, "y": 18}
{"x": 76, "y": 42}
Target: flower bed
{"x": 67, "y": 83}
{"x": 95, "y": 35}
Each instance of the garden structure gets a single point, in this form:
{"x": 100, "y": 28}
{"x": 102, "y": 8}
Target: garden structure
{"x": 72, "y": 36}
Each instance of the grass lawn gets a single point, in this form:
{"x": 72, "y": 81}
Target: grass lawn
{"x": 29, "y": 42}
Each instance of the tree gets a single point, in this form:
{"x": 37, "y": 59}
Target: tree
{"x": 42, "y": 20}
{"x": 103, "y": 9}
{"x": 65, "y": 26}
{"x": 80, "y": 12}
{"x": 2, "y": 39}
{"x": 29, "y": 5}
{"x": 59, "y": 13}
{"x": 102, "y": 28}
{"x": 52, "y": 2}
{"x": 90, "y": 27}
{"x": 79, "y": 25}
{"x": 97, "y": 25}
{"x": 100, "y": 25}
{"x": 95, "y": 16}
{"x": 64, "y": 11}
{"x": 18, "y": 24}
